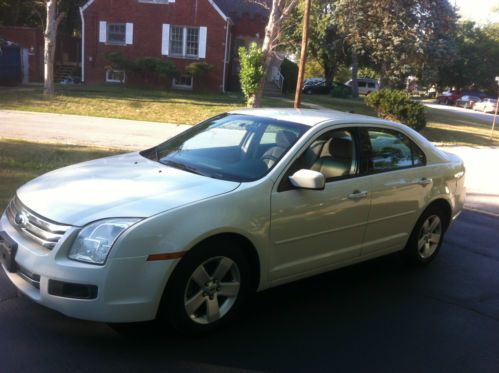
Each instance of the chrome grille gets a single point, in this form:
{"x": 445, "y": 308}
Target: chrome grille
{"x": 33, "y": 226}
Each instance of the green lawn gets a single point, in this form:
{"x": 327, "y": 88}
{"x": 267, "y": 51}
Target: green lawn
{"x": 191, "y": 107}
{"x": 21, "y": 161}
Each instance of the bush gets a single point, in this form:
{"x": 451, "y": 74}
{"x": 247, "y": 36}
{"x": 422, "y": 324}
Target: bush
{"x": 198, "y": 68}
{"x": 397, "y": 106}
{"x": 252, "y": 71}
{"x": 339, "y": 91}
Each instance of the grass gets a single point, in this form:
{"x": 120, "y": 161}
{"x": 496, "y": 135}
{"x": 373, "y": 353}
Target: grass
{"x": 22, "y": 161}
{"x": 192, "y": 107}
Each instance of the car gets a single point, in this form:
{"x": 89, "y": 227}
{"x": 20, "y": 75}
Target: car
{"x": 186, "y": 231}
{"x": 316, "y": 87}
{"x": 366, "y": 85}
{"x": 448, "y": 97}
{"x": 467, "y": 101}
{"x": 487, "y": 105}
{"x": 322, "y": 87}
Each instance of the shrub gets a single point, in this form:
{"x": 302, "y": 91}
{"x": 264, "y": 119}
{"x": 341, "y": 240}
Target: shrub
{"x": 198, "y": 68}
{"x": 252, "y": 71}
{"x": 397, "y": 105}
{"x": 339, "y": 91}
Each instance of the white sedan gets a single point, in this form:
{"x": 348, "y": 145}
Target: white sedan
{"x": 487, "y": 105}
{"x": 242, "y": 202}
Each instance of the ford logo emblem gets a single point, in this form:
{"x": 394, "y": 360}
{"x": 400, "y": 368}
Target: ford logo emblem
{"x": 21, "y": 219}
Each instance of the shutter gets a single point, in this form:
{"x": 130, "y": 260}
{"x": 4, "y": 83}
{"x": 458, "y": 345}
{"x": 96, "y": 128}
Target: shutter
{"x": 165, "y": 40}
{"x": 102, "y": 31}
{"x": 129, "y": 33}
{"x": 203, "y": 33}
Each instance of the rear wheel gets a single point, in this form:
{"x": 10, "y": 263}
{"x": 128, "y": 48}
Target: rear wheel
{"x": 207, "y": 289}
{"x": 426, "y": 237}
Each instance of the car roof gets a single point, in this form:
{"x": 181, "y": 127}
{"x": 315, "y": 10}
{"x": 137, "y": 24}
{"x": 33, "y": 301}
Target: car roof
{"x": 311, "y": 117}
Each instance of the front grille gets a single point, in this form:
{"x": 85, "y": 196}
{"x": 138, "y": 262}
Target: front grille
{"x": 33, "y": 226}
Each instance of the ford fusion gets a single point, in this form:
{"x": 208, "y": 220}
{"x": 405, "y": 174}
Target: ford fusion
{"x": 185, "y": 231}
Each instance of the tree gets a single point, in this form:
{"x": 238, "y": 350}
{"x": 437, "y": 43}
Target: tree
{"x": 252, "y": 72}
{"x": 53, "y": 20}
{"x": 326, "y": 43}
{"x": 279, "y": 9}
{"x": 395, "y": 34}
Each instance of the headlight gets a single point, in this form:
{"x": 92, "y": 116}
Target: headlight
{"x": 96, "y": 239}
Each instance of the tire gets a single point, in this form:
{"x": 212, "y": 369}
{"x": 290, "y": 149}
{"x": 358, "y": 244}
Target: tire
{"x": 191, "y": 308}
{"x": 426, "y": 237}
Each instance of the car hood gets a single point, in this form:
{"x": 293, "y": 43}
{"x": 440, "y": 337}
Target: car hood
{"x": 126, "y": 185}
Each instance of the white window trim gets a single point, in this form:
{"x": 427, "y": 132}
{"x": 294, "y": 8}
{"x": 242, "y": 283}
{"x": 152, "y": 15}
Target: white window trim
{"x": 183, "y": 86}
{"x": 115, "y": 80}
{"x": 157, "y": 1}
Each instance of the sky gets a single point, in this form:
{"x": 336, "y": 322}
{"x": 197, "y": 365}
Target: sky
{"x": 479, "y": 11}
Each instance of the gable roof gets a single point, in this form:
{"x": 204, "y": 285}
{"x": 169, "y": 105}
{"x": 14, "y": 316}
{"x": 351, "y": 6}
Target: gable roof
{"x": 237, "y": 8}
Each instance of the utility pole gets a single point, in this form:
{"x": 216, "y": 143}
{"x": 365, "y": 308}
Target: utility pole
{"x": 495, "y": 114}
{"x": 303, "y": 57}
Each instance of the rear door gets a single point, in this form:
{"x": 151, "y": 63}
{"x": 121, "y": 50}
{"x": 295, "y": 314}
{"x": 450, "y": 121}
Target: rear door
{"x": 398, "y": 185}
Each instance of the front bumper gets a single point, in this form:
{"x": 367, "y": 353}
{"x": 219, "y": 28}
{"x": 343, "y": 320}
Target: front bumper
{"x": 128, "y": 289}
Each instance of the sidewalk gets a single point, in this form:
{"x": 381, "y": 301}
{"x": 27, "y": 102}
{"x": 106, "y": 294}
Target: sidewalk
{"x": 482, "y": 164}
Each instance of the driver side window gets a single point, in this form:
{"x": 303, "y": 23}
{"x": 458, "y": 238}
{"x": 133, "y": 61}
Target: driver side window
{"x": 333, "y": 154}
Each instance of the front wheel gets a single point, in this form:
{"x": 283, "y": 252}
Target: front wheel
{"x": 207, "y": 289}
{"x": 426, "y": 237}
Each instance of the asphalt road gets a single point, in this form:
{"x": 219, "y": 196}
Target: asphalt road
{"x": 376, "y": 316}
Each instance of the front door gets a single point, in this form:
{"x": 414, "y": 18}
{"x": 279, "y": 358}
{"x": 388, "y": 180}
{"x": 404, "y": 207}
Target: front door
{"x": 313, "y": 230}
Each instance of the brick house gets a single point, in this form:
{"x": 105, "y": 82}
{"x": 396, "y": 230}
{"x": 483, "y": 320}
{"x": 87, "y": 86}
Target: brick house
{"x": 182, "y": 31}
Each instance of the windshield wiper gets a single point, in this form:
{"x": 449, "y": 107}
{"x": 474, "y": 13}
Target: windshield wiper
{"x": 183, "y": 167}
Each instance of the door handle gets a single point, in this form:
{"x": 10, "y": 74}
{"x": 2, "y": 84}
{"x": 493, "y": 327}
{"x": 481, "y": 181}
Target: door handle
{"x": 424, "y": 181}
{"x": 357, "y": 194}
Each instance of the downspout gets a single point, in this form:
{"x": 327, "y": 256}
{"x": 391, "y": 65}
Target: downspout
{"x": 225, "y": 56}
{"x": 82, "y": 45}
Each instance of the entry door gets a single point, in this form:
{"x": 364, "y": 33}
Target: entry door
{"x": 312, "y": 230}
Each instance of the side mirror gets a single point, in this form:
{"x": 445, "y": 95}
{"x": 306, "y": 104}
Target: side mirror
{"x": 308, "y": 179}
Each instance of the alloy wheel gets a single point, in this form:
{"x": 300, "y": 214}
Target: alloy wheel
{"x": 212, "y": 290}
{"x": 429, "y": 236}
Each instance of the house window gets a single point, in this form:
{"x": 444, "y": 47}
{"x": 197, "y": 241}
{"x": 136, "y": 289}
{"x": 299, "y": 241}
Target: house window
{"x": 115, "y": 76}
{"x": 177, "y": 41}
{"x": 184, "y": 41}
{"x": 116, "y": 33}
{"x": 192, "y": 42}
{"x": 183, "y": 82}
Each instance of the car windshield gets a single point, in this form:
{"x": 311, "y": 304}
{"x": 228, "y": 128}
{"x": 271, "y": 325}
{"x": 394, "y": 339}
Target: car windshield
{"x": 232, "y": 147}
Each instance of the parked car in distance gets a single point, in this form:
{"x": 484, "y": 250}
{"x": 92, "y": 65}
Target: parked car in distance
{"x": 322, "y": 87}
{"x": 467, "y": 101}
{"x": 366, "y": 85}
{"x": 448, "y": 97}
{"x": 248, "y": 200}
{"x": 310, "y": 81}
{"x": 487, "y": 105}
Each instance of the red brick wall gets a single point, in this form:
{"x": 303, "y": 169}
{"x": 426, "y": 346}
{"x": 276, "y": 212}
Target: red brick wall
{"x": 147, "y": 22}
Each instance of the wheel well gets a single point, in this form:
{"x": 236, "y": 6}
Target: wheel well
{"x": 445, "y": 207}
{"x": 248, "y": 249}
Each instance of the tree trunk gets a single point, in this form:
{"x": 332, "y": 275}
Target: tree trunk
{"x": 384, "y": 82}
{"x": 271, "y": 31}
{"x": 355, "y": 70}
{"x": 50, "y": 35}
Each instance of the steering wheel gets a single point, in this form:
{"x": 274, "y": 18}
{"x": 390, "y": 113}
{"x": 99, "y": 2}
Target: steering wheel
{"x": 269, "y": 157}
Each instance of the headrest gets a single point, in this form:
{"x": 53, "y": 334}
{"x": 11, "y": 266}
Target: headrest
{"x": 340, "y": 147}
{"x": 285, "y": 138}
